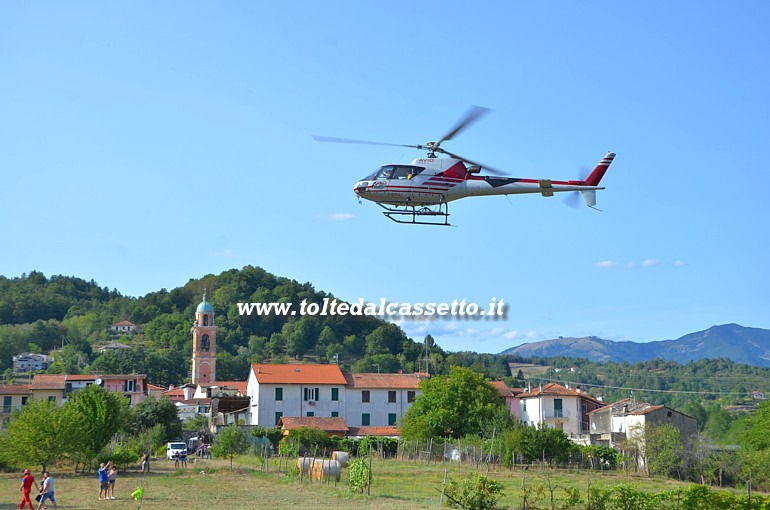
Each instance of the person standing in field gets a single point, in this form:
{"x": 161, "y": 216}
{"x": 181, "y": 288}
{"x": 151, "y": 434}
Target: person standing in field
{"x": 112, "y": 475}
{"x": 26, "y": 488}
{"x": 46, "y": 491}
{"x": 104, "y": 484}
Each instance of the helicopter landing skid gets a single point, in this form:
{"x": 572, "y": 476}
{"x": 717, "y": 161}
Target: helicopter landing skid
{"x": 421, "y": 215}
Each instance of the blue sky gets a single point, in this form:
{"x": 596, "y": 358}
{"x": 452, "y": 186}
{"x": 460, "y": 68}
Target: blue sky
{"x": 146, "y": 143}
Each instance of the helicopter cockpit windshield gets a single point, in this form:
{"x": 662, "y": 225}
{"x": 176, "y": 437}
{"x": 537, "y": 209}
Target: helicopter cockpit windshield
{"x": 394, "y": 172}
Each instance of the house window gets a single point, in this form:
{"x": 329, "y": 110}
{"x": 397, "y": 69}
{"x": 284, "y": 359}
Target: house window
{"x": 365, "y": 420}
{"x": 279, "y": 393}
{"x": 410, "y": 396}
{"x": 335, "y": 394}
{"x": 310, "y": 414}
{"x": 23, "y": 401}
{"x": 129, "y": 386}
{"x": 391, "y": 419}
{"x": 335, "y": 414}
{"x": 523, "y": 406}
{"x": 278, "y": 416}
{"x": 311, "y": 393}
{"x": 391, "y": 396}
{"x": 365, "y": 396}
{"x": 558, "y": 410}
{"x": 51, "y": 400}
{"x": 205, "y": 344}
{"x": 7, "y": 405}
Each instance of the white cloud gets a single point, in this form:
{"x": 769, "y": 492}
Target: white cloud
{"x": 649, "y": 262}
{"x": 606, "y": 263}
{"x": 679, "y": 263}
{"x": 532, "y": 335}
{"x": 511, "y": 335}
{"x": 341, "y": 216}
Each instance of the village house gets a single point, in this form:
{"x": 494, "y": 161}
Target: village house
{"x": 621, "y": 421}
{"x": 31, "y": 362}
{"x": 378, "y": 400}
{"x": 58, "y": 387}
{"x": 556, "y": 406}
{"x": 294, "y": 390}
{"x": 306, "y": 390}
{"x": 13, "y": 396}
{"x": 123, "y": 328}
{"x": 509, "y": 396}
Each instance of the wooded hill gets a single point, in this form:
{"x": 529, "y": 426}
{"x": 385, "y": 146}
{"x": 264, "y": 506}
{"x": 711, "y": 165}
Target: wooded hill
{"x": 69, "y": 316}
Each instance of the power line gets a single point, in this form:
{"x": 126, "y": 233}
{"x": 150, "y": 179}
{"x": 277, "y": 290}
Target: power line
{"x": 686, "y": 392}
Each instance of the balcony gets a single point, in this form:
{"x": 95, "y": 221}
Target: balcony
{"x": 557, "y": 414}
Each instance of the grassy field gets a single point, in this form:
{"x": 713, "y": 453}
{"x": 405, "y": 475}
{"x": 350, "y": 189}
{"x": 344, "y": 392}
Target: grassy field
{"x": 210, "y": 485}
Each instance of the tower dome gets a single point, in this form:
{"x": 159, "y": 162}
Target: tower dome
{"x": 205, "y": 306}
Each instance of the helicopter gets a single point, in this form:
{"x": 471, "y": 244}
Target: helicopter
{"x": 419, "y": 193}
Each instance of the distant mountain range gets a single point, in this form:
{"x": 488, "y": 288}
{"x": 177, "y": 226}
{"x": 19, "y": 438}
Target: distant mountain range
{"x": 740, "y": 344}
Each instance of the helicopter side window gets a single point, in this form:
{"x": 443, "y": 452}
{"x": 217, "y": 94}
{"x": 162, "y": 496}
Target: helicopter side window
{"x": 402, "y": 172}
{"x": 385, "y": 172}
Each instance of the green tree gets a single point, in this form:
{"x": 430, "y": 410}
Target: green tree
{"x": 664, "y": 450}
{"x": 40, "y": 433}
{"x": 230, "y": 441}
{"x": 150, "y": 412}
{"x": 756, "y": 435}
{"x": 100, "y": 414}
{"x": 451, "y": 406}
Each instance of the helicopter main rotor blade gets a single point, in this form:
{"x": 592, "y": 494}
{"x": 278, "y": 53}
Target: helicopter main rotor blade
{"x": 364, "y": 142}
{"x": 483, "y": 167}
{"x": 471, "y": 116}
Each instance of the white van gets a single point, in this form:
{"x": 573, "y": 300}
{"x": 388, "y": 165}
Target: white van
{"x": 175, "y": 448}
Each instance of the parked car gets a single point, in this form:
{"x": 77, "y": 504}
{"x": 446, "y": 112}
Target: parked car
{"x": 174, "y": 449}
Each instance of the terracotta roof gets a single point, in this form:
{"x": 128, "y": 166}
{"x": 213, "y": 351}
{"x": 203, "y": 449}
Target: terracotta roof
{"x": 374, "y": 431}
{"x": 501, "y": 388}
{"x": 80, "y": 377}
{"x": 385, "y": 381}
{"x": 176, "y": 392}
{"x": 48, "y": 382}
{"x": 298, "y": 374}
{"x": 155, "y": 387}
{"x": 124, "y": 323}
{"x": 333, "y": 424}
{"x": 559, "y": 391}
{"x": 14, "y": 389}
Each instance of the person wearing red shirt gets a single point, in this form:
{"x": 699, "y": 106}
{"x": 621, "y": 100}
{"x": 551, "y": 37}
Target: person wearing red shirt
{"x": 26, "y": 488}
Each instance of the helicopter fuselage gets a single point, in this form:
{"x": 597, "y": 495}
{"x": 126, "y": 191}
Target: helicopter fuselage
{"x": 431, "y": 181}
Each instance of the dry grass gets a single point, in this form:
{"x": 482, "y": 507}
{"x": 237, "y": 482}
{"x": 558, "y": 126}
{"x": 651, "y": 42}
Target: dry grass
{"x": 209, "y": 485}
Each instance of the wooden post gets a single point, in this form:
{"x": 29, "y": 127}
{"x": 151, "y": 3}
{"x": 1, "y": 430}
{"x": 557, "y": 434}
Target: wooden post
{"x": 443, "y": 486}
{"x": 748, "y": 489}
{"x": 369, "y": 475}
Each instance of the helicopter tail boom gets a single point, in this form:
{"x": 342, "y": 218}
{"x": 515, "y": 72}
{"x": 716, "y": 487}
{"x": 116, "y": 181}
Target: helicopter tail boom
{"x": 601, "y": 168}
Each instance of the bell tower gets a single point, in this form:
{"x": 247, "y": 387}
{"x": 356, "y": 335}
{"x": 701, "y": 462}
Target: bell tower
{"x": 204, "y": 333}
